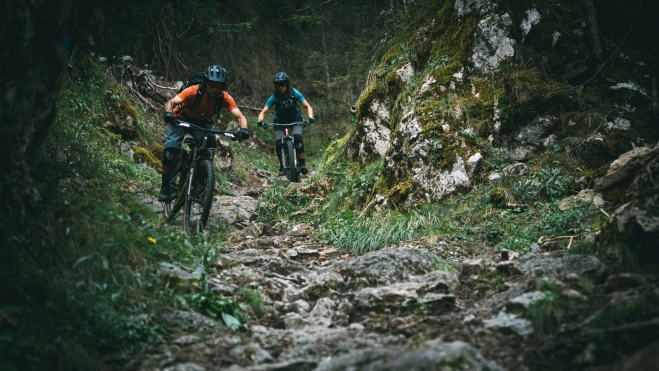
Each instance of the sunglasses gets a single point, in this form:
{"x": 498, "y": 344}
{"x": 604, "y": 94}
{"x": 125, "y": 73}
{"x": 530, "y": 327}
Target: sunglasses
{"x": 215, "y": 84}
{"x": 280, "y": 84}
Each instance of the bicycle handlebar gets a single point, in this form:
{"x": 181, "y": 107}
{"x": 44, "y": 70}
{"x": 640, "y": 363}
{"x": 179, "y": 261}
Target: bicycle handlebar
{"x": 290, "y": 125}
{"x": 230, "y": 134}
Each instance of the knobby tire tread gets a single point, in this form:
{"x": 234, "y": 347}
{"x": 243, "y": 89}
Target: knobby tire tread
{"x": 293, "y": 176}
{"x": 204, "y": 177}
{"x": 176, "y": 184}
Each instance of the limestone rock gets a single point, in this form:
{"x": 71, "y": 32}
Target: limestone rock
{"x": 376, "y": 132}
{"x": 236, "y": 212}
{"x": 636, "y": 224}
{"x": 509, "y": 322}
{"x": 187, "y": 340}
{"x": 543, "y": 266}
{"x": 492, "y": 42}
{"x": 389, "y": 265}
{"x": 586, "y": 195}
{"x": 191, "y": 321}
{"x": 406, "y": 73}
{"x": 251, "y": 353}
{"x": 434, "y": 356}
{"x": 185, "y": 367}
{"x": 625, "y": 166}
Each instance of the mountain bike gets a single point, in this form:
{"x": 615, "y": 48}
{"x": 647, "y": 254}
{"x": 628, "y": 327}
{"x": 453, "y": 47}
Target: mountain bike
{"x": 193, "y": 181}
{"x": 288, "y": 153}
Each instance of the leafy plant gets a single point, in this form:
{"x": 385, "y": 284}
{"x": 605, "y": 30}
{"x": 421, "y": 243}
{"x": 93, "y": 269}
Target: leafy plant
{"x": 226, "y": 310}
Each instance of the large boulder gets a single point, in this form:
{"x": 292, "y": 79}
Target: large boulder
{"x": 636, "y": 225}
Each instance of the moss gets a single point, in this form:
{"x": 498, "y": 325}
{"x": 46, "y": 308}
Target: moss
{"x": 497, "y": 196}
{"x": 377, "y": 90}
{"x": 392, "y": 79}
{"x": 532, "y": 94}
{"x": 143, "y": 155}
{"x": 156, "y": 150}
{"x": 125, "y": 110}
{"x": 335, "y": 148}
{"x": 398, "y": 194}
{"x": 595, "y": 154}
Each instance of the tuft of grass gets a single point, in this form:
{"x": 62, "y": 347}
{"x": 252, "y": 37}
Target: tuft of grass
{"x": 254, "y": 300}
{"x": 553, "y": 309}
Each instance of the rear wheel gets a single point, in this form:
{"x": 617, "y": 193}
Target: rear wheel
{"x": 292, "y": 171}
{"x": 175, "y": 185}
{"x": 198, "y": 204}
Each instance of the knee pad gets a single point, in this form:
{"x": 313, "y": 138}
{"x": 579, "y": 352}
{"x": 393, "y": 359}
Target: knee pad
{"x": 299, "y": 146}
{"x": 169, "y": 155}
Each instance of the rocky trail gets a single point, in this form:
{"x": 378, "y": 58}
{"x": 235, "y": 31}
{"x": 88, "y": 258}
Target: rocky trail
{"x": 398, "y": 308}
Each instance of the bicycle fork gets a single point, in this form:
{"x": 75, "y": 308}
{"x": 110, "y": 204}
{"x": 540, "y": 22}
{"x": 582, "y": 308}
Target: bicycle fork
{"x": 191, "y": 174}
{"x": 285, "y": 139}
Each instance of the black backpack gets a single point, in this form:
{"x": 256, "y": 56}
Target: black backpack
{"x": 199, "y": 78}
{"x": 282, "y": 109}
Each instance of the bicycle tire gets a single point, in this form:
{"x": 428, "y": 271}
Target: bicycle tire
{"x": 171, "y": 207}
{"x": 198, "y": 204}
{"x": 292, "y": 171}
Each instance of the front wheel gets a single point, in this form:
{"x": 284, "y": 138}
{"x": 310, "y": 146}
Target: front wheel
{"x": 291, "y": 170}
{"x": 198, "y": 203}
{"x": 173, "y": 205}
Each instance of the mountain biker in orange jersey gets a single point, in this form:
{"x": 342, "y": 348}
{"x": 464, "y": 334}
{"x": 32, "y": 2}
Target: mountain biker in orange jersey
{"x": 199, "y": 112}
{"x": 286, "y": 99}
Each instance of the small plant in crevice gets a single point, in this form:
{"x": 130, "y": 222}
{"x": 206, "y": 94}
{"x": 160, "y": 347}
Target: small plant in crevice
{"x": 226, "y": 310}
{"x": 254, "y": 300}
{"x": 555, "y": 308}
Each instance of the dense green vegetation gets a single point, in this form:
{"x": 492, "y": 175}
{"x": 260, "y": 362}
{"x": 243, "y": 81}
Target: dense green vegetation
{"x": 79, "y": 272}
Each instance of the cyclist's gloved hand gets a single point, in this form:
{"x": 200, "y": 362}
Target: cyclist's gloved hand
{"x": 311, "y": 120}
{"x": 243, "y": 134}
{"x": 259, "y": 124}
{"x": 170, "y": 118}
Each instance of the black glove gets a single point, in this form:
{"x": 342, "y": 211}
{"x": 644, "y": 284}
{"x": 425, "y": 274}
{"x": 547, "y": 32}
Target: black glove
{"x": 311, "y": 120}
{"x": 170, "y": 118}
{"x": 259, "y": 124}
{"x": 243, "y": 134}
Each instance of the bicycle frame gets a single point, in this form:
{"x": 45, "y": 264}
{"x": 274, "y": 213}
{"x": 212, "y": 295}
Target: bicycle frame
{"x": 193, "y": 159}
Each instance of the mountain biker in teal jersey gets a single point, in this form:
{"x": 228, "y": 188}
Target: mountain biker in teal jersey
{"x": 286, "y": 99}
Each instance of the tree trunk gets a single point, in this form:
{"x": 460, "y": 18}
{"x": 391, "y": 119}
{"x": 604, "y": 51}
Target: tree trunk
{"x": 591, "y": 18}
{"x": 37, "y": 46}
{"x": 326, "y": 64}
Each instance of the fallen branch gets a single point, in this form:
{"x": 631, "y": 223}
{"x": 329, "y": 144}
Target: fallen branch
{"x": 411, "y": 324}
{"x": 248, "y": 107}
{"x": 542, "y": 239}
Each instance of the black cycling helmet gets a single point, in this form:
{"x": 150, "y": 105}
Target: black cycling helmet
{"x": 281, "y": 77}
{"x": 216, "y": 73}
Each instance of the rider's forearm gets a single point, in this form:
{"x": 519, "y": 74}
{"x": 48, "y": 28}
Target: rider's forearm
{"x": 309, "y": 111}
{"x": 243, "y": 122}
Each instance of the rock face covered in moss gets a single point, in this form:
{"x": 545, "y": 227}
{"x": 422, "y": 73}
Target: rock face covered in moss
{"x": 462, "y": 77}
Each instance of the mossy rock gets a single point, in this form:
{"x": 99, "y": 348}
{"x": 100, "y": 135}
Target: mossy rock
{"x": 632, "y": 233}
{"x": 335, "y": 149}
{"x": 399, "y": 193}
{"x": 497, "y": 196}
{"x": 597, "y": 153}
{"x": 143, "y": 155}
{"x": 127, "y": 110}
{"x": 373, "y": 92}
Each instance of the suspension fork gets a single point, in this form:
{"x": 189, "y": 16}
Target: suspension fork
{"x": 191, "y": 172}
{"x": 285, "y": 139}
